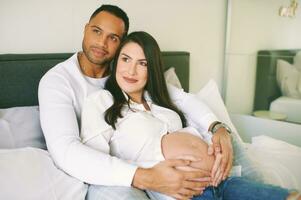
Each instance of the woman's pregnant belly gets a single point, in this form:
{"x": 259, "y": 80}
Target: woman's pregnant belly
{"x": 180, "y": 145}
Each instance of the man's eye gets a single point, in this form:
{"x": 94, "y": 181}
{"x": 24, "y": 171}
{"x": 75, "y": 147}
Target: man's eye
{"x": 114, "y": 38}
{"x": 96, "y": 31}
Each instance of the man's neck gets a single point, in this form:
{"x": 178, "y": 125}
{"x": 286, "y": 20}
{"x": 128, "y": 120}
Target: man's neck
{"x": 90, "y": 69}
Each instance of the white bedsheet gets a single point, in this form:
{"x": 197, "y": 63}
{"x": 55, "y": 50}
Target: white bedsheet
{"x": 289, "y": 106}
{"x": 278, "y": 161}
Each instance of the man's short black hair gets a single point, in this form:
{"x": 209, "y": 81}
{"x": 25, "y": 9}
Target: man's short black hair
{"x": 116, "y": 11}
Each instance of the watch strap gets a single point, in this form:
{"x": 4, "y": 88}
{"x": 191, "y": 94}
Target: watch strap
{"x": 219, "y": 125}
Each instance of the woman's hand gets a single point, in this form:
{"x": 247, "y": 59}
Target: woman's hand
{"x": 222, "y": 149}
{"x": 216, "y": 172}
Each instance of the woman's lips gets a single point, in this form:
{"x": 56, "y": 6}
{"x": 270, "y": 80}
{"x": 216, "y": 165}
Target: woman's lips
{"x": 130, "y": 80}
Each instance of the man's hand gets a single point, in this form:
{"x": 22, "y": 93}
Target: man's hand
{"x": 165, "y": 178}
{"x": 221, "y": 145}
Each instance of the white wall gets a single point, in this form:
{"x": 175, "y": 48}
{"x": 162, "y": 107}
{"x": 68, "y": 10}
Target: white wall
{"x": 255, "y": 25}
{"x": 197, "y": 26}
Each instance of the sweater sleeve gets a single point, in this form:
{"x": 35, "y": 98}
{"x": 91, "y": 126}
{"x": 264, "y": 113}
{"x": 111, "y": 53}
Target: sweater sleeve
{"x": 196, "y": 112}
{"x": 95, "y": 132}
{"x": 61, "y": 130}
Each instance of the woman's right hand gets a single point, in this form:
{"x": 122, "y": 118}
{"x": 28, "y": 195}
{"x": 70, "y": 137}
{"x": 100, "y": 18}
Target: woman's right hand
{"x": 166, "y": 177}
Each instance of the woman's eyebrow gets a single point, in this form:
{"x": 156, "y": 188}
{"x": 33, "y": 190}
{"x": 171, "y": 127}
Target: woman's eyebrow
{"x": 124, "y": 54}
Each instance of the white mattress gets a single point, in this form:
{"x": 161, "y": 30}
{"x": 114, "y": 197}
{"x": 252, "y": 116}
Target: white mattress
{"x": 289, "y": 106}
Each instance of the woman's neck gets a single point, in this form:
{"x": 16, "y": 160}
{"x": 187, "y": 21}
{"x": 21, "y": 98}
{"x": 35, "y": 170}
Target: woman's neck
{"x": 140, "y": 100}
{"x": 137, "y": 98}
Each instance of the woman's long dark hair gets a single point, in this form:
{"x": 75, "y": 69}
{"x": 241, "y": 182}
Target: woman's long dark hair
{"x": 156, "y": 85}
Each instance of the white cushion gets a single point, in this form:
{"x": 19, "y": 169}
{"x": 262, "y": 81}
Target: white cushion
{"x": 287, "y": 78}
{"x": 20, "y": 127}
{"x": 210, "y": 95}
{"x": 29, "y": 173}
{"x": 172, "y": 78}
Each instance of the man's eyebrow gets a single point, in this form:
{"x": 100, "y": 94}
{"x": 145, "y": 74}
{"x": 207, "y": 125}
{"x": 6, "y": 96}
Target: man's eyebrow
{"x": 114, "y": 34}
{"x": 94, "y": 26}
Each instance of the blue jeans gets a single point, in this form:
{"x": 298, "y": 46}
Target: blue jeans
{"x": 238, "y": 188}
{"x": 98, "y": 192}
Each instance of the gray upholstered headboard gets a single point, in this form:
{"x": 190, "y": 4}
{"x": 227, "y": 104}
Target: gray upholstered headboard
{"x": 266, "y": 89}
{"x": 20, "y": 74}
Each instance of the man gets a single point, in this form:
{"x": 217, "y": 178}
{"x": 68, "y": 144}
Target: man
{"x": 61, "y": 93}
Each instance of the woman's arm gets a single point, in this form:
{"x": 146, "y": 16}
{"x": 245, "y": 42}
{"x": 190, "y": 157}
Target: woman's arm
{"x": 199, "y": 114}
{"x": 195, "y": 111}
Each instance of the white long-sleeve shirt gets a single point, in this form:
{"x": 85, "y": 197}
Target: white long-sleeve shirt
{"x": 62, "y": 91}
{"x": 138, "y": 134}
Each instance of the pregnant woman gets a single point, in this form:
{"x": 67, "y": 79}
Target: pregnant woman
{"x": 134, "y": 119}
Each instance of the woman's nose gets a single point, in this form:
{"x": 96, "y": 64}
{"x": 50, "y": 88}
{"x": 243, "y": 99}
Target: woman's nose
{"x": 132, "y": 69}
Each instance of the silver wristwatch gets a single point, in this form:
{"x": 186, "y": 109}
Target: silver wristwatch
{"x": 219, "y": 125}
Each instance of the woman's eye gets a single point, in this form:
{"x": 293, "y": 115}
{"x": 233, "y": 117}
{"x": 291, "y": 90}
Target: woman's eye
{"x": 125, "y": 59}
{"x": 143, "y": 64}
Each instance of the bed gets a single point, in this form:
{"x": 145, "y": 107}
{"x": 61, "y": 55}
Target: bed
{"x": 27, "y": 167}
{"x": 268, "y": 95}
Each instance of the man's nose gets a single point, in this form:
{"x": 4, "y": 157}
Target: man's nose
{"x": 103, "y": 40}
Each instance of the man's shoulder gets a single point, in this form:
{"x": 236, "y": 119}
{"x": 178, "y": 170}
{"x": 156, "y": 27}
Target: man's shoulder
{"x": 66, "y": 65}
{"x": 62, "y": 69}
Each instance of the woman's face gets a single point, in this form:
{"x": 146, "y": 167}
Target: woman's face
{"x": 131, "y": 72}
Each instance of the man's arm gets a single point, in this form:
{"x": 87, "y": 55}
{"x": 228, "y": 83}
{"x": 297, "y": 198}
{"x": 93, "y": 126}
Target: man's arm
{"x": 60, "y": 126}
{"x": 173, "y": 182}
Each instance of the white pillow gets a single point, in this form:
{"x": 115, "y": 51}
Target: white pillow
{"x": 287, "y": 78}
{"x": 210, "y": 95}
{"x": 297, "y": 61}
{"x": 172, "y": 78}
{"x": 20, "y": 127}
{"x": 29, "y": 173}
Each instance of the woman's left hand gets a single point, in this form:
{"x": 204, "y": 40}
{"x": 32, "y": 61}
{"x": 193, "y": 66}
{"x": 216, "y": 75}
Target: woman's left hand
{"x": 222, "y": 149}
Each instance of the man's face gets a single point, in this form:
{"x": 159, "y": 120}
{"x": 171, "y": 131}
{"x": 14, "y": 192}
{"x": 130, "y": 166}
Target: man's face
{"x": 102, "y": 37}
